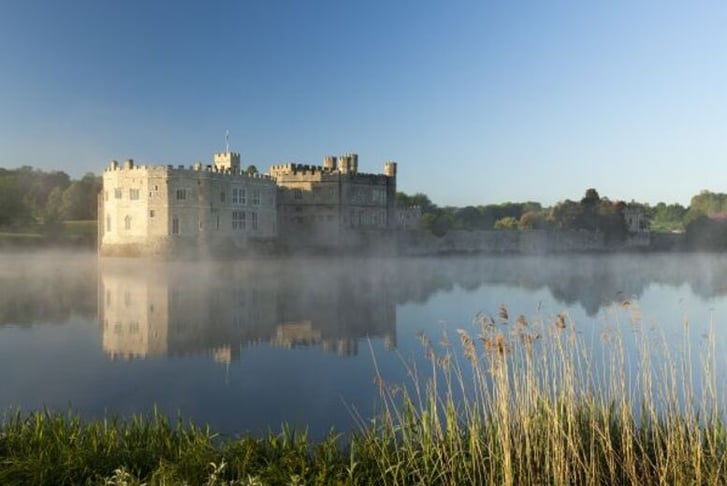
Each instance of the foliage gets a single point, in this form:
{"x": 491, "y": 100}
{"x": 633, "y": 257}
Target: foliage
{"x": 506, "y": 223}
{"x": 703, "y": 233}
{"x": 668, "y": 218}
{"x": 532, "y": 220}
{"x": 439, "y": 222}
{"x": 419, "y": 200}
{"x": 28, "y": 195}
{"x": 705, "y": 203}
{"x": 592, "y": 213}
{"x": 525, "y": 400}
{"x": 37, "y": 203}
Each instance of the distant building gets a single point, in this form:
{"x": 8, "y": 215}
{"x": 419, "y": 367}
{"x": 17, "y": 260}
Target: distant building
{"x": 635, "y": 220}
{"x": 333, "y": 204}
{"x": 161, "y": 210}
{"x": 209, "y": 209}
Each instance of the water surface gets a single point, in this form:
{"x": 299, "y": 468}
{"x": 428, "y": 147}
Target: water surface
{"x": 246, "y": 346}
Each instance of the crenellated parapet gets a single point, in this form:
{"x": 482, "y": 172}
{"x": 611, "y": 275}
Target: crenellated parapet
{"x": 343, "y": 164}
{"x": 129, "y": 167}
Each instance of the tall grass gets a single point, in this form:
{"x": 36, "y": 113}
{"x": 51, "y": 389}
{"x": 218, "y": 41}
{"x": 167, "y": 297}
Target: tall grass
{"x": 539, "y": 402}
{"x": 509, "y": 401}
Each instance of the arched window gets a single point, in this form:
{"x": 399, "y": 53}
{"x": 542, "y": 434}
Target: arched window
{"x": 127, "y": 222}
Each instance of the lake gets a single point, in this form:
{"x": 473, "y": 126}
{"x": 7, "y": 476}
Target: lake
{"x": 246, "y": 346}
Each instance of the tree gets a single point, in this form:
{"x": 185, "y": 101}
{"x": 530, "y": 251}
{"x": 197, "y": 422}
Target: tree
{"x": 506, "y": 223}
{"x": 251, "y": 170}
{"x": 419, "y": 199}
{"x": 591, "y": 198}
{"x": 668, "y": 218}
{"x": 12, "y": 209}
{"x": 469, "y": 218}
{"x": 532, "y": 220}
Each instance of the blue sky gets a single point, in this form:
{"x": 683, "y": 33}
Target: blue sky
{"x": 479, "y": 102}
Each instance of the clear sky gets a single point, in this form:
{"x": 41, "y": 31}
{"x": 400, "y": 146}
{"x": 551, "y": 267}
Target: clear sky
{"x": 479, "y": 102}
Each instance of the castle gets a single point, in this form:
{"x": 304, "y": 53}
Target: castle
{"x": 221, "y": 208}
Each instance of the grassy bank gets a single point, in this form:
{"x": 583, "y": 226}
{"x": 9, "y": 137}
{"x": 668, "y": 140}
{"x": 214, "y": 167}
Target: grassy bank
{"x": 73, "y": 234}
{"x": 512, "y": 401}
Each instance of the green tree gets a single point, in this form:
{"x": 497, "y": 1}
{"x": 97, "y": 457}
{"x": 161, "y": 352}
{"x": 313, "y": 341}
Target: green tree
{"x": 532, "y": 220}
{"x": 469, "y": 218}
{"x": 421, "y": 200}
{"x": 668, "y": 218}
{"x": 12, "y": 209}
{"x": 506, "y": 223}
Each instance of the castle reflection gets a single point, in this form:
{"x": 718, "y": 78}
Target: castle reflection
{"x": 165, "y": 309}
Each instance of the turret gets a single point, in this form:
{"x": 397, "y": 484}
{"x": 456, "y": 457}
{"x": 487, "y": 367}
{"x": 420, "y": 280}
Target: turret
{"x": 227, "y": 161}
{"x": 390, "y": 169}
{"x": 329, "y": 163}
{"x": 345, "y": 163}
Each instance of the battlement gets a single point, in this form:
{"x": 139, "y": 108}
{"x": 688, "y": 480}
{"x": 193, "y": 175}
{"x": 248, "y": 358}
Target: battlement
{"x": 227, "y": 160}
{"x": 343, "y": 164}
{"x": 170, "y": 169}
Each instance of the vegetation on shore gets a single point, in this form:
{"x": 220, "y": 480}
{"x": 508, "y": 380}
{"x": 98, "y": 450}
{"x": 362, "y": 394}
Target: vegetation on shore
{"x": 513, "y": 401}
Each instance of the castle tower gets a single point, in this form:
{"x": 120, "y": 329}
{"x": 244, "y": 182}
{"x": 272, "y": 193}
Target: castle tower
{"x": 390, "y": 169}
{"x": 227, "y": 161}
{"x": 354, "y": 163}
{"x": 345, "y": 162}
{"x": 329, "y": 163}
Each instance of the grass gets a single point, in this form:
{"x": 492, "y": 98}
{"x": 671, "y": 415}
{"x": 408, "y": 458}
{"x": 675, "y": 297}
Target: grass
{"x": 68, "y": 233}
{"x": 511, "y": 401}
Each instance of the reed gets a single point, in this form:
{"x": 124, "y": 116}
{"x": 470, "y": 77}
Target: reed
{"x": 529, "y": 400}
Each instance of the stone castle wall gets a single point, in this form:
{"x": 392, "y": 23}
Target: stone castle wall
{"x": 162, "y": 210}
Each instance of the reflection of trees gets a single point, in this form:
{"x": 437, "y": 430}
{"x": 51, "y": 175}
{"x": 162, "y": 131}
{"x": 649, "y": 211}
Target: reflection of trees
{"x": 592, "y": 281}
{"x": 46, "y": 288}
{"x": 341, "y": 298}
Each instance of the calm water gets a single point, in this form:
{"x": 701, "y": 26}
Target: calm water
{"x": 246, "y": 346}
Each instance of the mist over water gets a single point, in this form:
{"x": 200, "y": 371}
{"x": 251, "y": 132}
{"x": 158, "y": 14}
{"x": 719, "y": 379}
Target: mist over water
{"x": 248, "y": 345}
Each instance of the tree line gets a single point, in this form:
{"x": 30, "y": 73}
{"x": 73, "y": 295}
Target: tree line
{"x": 702, "y": 220}
{"x": 32, "y": 197}
{"x": 36, "y": 198}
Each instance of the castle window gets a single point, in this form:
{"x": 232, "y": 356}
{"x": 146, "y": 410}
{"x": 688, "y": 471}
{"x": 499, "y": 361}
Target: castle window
{"x": 133, "y": 194}
{"x": 239, "y": 196}
{"x": 175, "y": 225}
{"x": 253, "y": 220}
{"x": 108, "y": 223}
{"x": 256, "y": 197}
{"x": 218, "y": 222}
{"x": 127, "y": 222}
{"x": 222, "y": 197}
{"x": 238, "y": 220}
{"x": 297, "y": 194}
{"x": 181, "y": 194}
{"x": 151, "y": 213}
{"x": 117, "y": 193}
